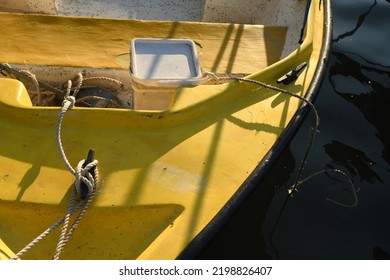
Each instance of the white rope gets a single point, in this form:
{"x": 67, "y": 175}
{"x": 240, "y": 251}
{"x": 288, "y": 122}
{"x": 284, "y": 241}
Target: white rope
{"x": 82, "y": 174}
{"x": 216, "y": 79}
{"x": 35, "y": 82}
{"x": 44, "y": 234}
{"x": 67, "y": 104}
{"x": 105, "y": 79}
{"x": 91, "y": 183}
{"x": 79, "y": 80}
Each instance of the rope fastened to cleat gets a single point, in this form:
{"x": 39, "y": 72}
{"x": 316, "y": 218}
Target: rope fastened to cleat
{"x": 86, "y": 181}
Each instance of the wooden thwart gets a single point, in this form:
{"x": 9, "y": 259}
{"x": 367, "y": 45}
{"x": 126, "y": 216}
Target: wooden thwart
{"x": 104, "y": 43}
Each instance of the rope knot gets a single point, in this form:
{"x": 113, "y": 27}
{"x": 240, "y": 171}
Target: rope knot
{"x": 68, "y": 103}
{"x": 86, "y": 178}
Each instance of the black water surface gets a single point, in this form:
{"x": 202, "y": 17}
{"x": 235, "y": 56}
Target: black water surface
{"x": 354, "y": 107}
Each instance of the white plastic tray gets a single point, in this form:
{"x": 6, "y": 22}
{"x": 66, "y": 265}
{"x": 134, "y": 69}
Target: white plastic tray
{"x": 157, "y": 61}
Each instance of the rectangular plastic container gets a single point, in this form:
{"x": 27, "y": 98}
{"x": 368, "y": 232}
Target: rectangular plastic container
{"x": 159, "y": 67}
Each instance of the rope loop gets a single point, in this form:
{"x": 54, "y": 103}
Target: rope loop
{"x": 68, "y": 103}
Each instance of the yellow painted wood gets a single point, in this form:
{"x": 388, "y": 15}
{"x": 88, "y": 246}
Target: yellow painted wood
{"x": 164, "y": 175}
{"x": 104, "y": 43}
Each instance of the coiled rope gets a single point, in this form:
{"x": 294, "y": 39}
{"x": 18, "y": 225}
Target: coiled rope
{"x": 46, "y": 98}
{"x": 82, "y": 174}
{"x": 35, "y": 82}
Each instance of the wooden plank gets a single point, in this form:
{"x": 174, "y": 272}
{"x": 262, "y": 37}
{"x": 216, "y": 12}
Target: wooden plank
{"x": 104, "y": 43}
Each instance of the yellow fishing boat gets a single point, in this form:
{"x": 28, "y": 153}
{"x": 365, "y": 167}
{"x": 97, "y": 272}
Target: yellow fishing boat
{"x": 180, "y": 109}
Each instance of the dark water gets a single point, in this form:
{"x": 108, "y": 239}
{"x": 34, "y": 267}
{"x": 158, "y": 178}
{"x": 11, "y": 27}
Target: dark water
{"x": 354, "y": 107}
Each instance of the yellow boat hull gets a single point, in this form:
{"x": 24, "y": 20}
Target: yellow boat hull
{"x": 164, "y": 175}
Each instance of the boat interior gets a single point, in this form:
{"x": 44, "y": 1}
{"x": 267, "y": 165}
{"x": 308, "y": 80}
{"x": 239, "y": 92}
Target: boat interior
{"x": 231, "y": 38}
{"x": 170, "y": 159}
